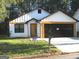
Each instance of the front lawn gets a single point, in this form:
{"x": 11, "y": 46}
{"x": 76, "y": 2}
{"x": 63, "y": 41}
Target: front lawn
{"x": 22, "y": 47}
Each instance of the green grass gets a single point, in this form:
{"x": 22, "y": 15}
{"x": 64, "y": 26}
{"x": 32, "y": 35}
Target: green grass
{"x": 22, "y": 47}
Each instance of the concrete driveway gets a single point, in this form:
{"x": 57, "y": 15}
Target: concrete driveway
{"x": 66, "y": 44}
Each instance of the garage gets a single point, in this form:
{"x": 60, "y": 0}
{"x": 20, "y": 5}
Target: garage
{"x": 58, "y": 25}
{"x": 58, "y": 30}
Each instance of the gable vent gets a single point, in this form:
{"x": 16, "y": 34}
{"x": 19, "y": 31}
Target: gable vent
{"x": 39, "y": 11}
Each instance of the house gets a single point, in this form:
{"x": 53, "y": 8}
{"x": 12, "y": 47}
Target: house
{"x": 3, "y": 28}
{"x": 76, "y": 16}
{"x": 27, "y": 25}
{"x": 41, "y": 24}
{"x": 58, "y": 25}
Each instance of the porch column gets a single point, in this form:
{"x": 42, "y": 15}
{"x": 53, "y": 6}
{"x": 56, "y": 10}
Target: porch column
{"x": 75, "y": 30}
{"x": 42, "y": 30}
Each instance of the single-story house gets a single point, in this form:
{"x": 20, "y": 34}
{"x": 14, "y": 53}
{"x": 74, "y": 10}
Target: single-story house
{"x": 27, "y": 25}
{"x": 76, "y": 16}
{"x": 41, "y": 24}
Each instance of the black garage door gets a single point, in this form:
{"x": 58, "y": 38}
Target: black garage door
{"x": 58, "y": 30}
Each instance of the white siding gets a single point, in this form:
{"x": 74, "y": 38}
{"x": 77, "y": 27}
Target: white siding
{"x": 59, "y": 17}
{"x": 77, "y": 26}
{"x": 30, "y": 15}
{"x": 76, "y": 15}
{"x": 27, "y": 31}
{"x": 38, "y": 30}
{"x": 37, "y": 16}
{"x": 13, "y": 34}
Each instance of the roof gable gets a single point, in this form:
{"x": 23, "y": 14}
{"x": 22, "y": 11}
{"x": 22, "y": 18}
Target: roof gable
{"x": 76, "y": 15}
{"x": 30, "y": 15}
{"x": 59, "y": 17}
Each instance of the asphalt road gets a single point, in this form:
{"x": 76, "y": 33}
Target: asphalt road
{"x": 66, "y": 56}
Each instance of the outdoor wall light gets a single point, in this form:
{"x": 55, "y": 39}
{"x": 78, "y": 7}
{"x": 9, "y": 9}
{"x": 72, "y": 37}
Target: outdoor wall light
{"x": 57, "y": 29}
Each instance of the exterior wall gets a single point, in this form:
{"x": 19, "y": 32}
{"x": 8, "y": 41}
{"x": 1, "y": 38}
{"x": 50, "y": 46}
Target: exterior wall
{"x": 77, "y": 26}
{"x": 30, "y": 15}
{"x": 75, "y": 29}
{"x": 37, "y": 16}
{"x": 13, "y": 34}
{"x": 76, "y": 15}
{"x": 27, "y": 31}
{"x": 58, "y": 17}
{"x": 38, "y": 30}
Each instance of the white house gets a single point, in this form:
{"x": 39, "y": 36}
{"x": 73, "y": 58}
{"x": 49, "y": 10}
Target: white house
{"x": 41, "y": 24}
{"x": 28, "y": 24}
{"x": 76, "y": 16}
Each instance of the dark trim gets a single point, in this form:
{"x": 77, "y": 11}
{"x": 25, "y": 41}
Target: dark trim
{"x": 31, "y": 20}
{"x": 20, "y": 30}
{"x": 77, "y": 20}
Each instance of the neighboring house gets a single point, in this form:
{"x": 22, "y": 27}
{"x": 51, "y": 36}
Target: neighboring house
{"x": 27, "y": 25}
{"x": 41, "y": 24}
{"x": 3, "y": 29}
{"x": 60, "y": 25}
{"x": 76, "y": 16}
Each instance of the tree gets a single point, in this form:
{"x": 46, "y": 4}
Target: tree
{"x": 24, "y": 6}
{"x": 3, "y": 10}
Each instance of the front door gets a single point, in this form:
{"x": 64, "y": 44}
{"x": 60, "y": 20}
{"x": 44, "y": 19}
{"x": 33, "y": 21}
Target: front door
{"x": 33, "y": 30}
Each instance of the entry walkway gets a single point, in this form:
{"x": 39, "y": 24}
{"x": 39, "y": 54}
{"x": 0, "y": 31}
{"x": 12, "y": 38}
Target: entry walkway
{"x": 65, "y": 44}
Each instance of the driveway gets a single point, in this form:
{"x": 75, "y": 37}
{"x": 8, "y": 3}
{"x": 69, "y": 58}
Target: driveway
{"x": 66, "y": 44}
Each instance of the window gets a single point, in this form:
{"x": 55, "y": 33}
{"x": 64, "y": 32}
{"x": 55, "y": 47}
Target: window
{"x": 39, "y": 11}
{"x": 19, "y": 28}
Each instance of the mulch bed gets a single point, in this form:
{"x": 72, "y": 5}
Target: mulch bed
{"x": 41, "y": 55}
{"x": 36, "y": 56}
